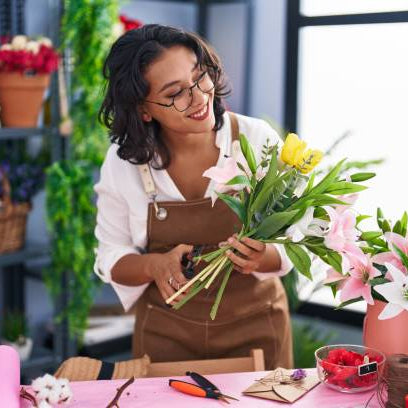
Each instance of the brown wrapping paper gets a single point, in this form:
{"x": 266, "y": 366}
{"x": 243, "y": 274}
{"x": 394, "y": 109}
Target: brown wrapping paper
{"x": 278, "y": 386}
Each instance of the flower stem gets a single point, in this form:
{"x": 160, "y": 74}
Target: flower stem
{"x": 218, "y": 298}
{"x": 198, "y": 286}
{"x": 186, "y": 286}
{"x": 210, "y": 268}
{"x": 216, "y": 272}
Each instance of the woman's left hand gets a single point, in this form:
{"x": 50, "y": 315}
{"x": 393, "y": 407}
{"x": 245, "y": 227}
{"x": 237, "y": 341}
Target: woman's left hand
{"x": 250, "y": 254}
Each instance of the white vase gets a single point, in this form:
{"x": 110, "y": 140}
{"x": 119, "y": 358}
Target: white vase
{"x": 23, "y": 348}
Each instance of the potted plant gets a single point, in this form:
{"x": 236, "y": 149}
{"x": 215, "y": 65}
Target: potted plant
{"x": 18, "y": 184}
{"x": 375, "y": 270}
{"x": 14, "y": 333}
{"x": 25, "y": 68}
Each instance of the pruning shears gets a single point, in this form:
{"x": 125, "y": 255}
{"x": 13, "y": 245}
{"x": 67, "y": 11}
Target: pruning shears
{"x": 204, "y": 389}
{"x": 187, "y": 261}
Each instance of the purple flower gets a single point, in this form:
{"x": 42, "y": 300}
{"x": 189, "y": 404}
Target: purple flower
{"x": 298, "y": 374}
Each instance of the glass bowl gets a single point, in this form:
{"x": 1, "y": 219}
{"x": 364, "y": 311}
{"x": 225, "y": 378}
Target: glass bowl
{"x": 347, "y": 368}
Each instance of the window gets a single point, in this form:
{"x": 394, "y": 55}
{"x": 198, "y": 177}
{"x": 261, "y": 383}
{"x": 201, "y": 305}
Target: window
{"x": 349, "y": 77}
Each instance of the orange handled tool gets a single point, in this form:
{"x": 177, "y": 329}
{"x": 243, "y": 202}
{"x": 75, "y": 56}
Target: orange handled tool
{"x": 205, "y": 389}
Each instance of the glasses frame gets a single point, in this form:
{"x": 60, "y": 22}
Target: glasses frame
{"x": 190, "y": 89}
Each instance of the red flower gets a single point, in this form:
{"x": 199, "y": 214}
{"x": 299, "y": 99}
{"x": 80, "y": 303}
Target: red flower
{"x": 23, "y": 61}
{"x": 128, "y": 23}
{"x": 341, "y": 368}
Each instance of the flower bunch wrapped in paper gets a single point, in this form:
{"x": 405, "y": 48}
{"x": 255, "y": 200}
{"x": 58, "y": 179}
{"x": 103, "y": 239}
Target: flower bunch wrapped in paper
{"x": 278, "y": 200}
{"x": 375, "y": 266}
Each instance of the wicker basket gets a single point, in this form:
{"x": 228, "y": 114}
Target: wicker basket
{"x": 13, "y": 220}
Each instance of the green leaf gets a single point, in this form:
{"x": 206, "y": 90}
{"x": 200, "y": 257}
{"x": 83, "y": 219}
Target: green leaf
{"x": 235, "y": 206}
{"x": 358, "y": 177}
{"x": 378, "y": 281}
{"x": 334, "y": 259}
{"x": 328, "y": 179}
{"x": 320, "y": 200}
{"x": 248, "y": 152}
{"x": 309, "y": 184}
{"x": 273, "y": 223}
{"x": 344, "y": 187}
{"x": 404, "y": 258}
{"x": 386, "y": 227}
{"x": 239, "y": 180}
{"x": 349, "y": 302}
{"x": 300, "y": 259}
{"x": 370, "y": 235}
{"x": 404, "y": 221}
{"x": 397, "y": 227}
{"x": 269, "y": 183}
{"x": 360, "y": 218}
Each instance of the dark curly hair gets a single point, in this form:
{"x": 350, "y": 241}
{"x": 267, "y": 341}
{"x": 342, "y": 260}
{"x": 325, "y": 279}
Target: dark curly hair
{"x": 139, "y": 141}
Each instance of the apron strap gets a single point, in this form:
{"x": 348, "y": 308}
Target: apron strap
{"x": 234, "y": 126}
{"x": 150, "y": 189}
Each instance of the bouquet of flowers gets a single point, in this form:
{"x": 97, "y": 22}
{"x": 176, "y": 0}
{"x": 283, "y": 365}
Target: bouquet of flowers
{"x": 375, "y": 266}
{"x": 21, "y": 54}
{"x": 278, "y": 202}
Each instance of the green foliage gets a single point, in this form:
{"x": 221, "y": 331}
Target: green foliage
{"x": 87, "y": 29}
{"x": 14, "y": 326}
{"x": 71, "y": 218}
{"x": 306, "y": 340}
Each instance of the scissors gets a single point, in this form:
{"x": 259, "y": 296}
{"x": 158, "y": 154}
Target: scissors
{"x": 188, "y": 263}
{"x": 204, "y": 389}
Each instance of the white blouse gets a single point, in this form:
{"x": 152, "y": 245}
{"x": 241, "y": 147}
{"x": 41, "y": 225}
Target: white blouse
{"x": 122, "y": 205}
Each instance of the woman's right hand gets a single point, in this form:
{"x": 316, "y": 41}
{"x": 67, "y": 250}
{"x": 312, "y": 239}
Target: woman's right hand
{"x": 166, "y": 270}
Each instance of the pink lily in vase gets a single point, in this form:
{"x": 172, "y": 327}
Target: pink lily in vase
{"x": 392, "y": 257}
{"x": 361, "y": 272}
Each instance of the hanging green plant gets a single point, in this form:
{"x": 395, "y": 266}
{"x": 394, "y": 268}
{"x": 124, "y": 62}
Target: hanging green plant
{"x": 87, "y": 33}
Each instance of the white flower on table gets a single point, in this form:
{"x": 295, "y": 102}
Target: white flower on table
{"x": 50, "y": 391}
{"x": 395, "y": 292}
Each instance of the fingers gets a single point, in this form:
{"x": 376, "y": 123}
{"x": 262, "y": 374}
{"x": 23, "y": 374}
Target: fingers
{"x": 254, "y": 244}
{"x": 239, "y": 246}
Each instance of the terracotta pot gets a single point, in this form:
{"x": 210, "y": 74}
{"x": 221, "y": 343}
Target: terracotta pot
{"x": 389, "y": 336}
{"x": 21, "y": 98}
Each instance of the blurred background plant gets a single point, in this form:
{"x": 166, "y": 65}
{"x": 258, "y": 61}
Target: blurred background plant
{"x": 14, "y": 328}
{"x": 87, "y": 33}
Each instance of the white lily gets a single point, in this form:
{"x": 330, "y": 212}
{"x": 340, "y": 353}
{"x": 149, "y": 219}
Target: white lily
{"x": 306, "y": 226}
{"x": 395, "y": 292}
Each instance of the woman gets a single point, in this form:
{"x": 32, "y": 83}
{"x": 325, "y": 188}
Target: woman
{"x": 164, "y": 108}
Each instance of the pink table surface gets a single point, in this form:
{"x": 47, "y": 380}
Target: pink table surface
{"x": 156, "y": 393}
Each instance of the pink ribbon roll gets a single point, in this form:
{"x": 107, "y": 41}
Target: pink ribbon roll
{"x": 9, "y": 377}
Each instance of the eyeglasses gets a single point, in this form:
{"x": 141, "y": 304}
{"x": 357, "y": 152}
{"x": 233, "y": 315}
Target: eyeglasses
{"x": 183, "y": 99}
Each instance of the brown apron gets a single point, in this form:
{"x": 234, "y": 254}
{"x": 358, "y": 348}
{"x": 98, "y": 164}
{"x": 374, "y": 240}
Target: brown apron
{"x": 252, "y": 313}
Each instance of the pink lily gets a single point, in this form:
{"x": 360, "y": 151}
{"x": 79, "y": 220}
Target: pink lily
{"x": 335, "y": 277}
{"x": 350, "y": 199}
{"x": 392, "y": 256}
{"x": 221, "y": 176}
{"x": 358, "y": 283}
{"x": 342, "y": 235}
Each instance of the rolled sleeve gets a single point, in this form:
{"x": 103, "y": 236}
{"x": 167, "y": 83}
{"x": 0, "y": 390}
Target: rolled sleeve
{"x": 113, "y": 234}
{"x": 285, "y": 267}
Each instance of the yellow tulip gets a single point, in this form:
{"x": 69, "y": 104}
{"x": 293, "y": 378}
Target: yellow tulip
{"x": 309, "y": 161}
{"x": 292, "y": 150}
{"x": 294, "y": 154}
